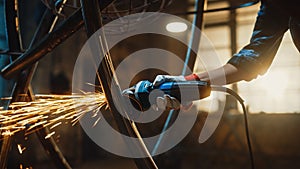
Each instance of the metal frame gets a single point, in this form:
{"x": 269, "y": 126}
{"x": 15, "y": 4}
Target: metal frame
{"x": 109, "y": 86}
{"x": 23, "y": 67}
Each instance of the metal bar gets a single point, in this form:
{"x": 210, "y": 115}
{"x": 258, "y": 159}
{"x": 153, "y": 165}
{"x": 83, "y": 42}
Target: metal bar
{"x": 52, "y": 149}
{"x": 23, "y": 81}
{"x": 220, "y": 9}
{"x": 231, "y": 102}
{"x": 233, "y": 32}
{"x": 6, "y": 143}
{"x": 13, "y": 40}
{"x": 195, "y": 39}
{"x": 21, "y": 92}
{"x": 209, "y": 25}
{"x": 93, "y": 23}
{"x": 26, "y": 61}
{"x": 49, "y": 145}
{"x": 64, "y": 30}
{"x": 189, "y": 62}
{"x": 12, "y": 32}
{"x": 10, "y": 53}
{"x": 46, "y": 45}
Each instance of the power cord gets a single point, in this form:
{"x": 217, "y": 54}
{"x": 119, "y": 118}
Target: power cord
{"x": 241, "y": 101}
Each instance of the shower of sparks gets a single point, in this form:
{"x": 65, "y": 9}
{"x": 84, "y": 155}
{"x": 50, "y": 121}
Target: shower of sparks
{"x": 49, "y": 111}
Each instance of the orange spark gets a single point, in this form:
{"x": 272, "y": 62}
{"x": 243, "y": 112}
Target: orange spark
{"x": 49, "y": 110}
{"x": 50, "y": 134}
{"x": 21, "y": 150}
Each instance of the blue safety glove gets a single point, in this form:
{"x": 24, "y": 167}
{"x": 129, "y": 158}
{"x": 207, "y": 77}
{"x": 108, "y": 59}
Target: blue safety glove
{"x": 168, "y": 102}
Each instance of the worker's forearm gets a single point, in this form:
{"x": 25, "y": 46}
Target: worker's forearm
{"x": 226, "y": 74}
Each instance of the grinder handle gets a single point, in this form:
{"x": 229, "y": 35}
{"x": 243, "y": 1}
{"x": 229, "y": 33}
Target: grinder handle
{"x": 192, "y": 90}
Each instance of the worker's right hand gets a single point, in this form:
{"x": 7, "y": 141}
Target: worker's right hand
{"x": 168, "y": 102}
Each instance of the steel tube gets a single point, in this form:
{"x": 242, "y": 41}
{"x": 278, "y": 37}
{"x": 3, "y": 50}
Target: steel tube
{"x": 110, "y": 88}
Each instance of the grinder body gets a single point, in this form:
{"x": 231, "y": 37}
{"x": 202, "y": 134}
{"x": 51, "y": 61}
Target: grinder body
{"x": 144, "y": 93}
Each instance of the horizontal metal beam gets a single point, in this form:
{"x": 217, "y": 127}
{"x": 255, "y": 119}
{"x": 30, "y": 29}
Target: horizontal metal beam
{"x": 46, "y": 45}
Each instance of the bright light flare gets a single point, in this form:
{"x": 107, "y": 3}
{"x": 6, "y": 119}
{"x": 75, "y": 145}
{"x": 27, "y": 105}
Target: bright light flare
{"x": 274, "y": 84}
{"x": 176, "y": 27}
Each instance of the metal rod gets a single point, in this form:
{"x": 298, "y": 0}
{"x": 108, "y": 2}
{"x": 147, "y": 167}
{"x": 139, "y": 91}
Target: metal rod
{"x": 64, "y": 30}
{"x": 12, "y": 30}
{"x": 23, "y": 81}
{"x": 195, "y": 38}
{"x": 189, "y": 62}
{"x": 10, "y": 53}
{"x": 6, "y": 143}
{"x": 46, "y": 45}
{"x": 52, "y": 149}
{"x": 220, "y": 9}
{"x": 111, "y": 89}
{"x": 29, "y": 61}
{"x": 49, "y": 145}
{"x": 21, "y": 92}
{"x": 14, "y": 44}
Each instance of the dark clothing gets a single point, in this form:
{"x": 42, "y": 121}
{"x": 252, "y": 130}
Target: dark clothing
{"x": 274, "y": 18}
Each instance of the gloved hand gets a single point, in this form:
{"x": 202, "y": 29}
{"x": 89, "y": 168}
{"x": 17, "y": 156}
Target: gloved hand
{"x": 167, "y": 78}
{"x": 168, "y": 102}
{"x": 160, "y": 79}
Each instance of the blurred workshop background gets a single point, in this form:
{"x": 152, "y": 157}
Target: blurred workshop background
{"x": 273, "y": 100}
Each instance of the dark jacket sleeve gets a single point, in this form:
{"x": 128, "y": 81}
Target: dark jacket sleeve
{"x": 256, "y": 57}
